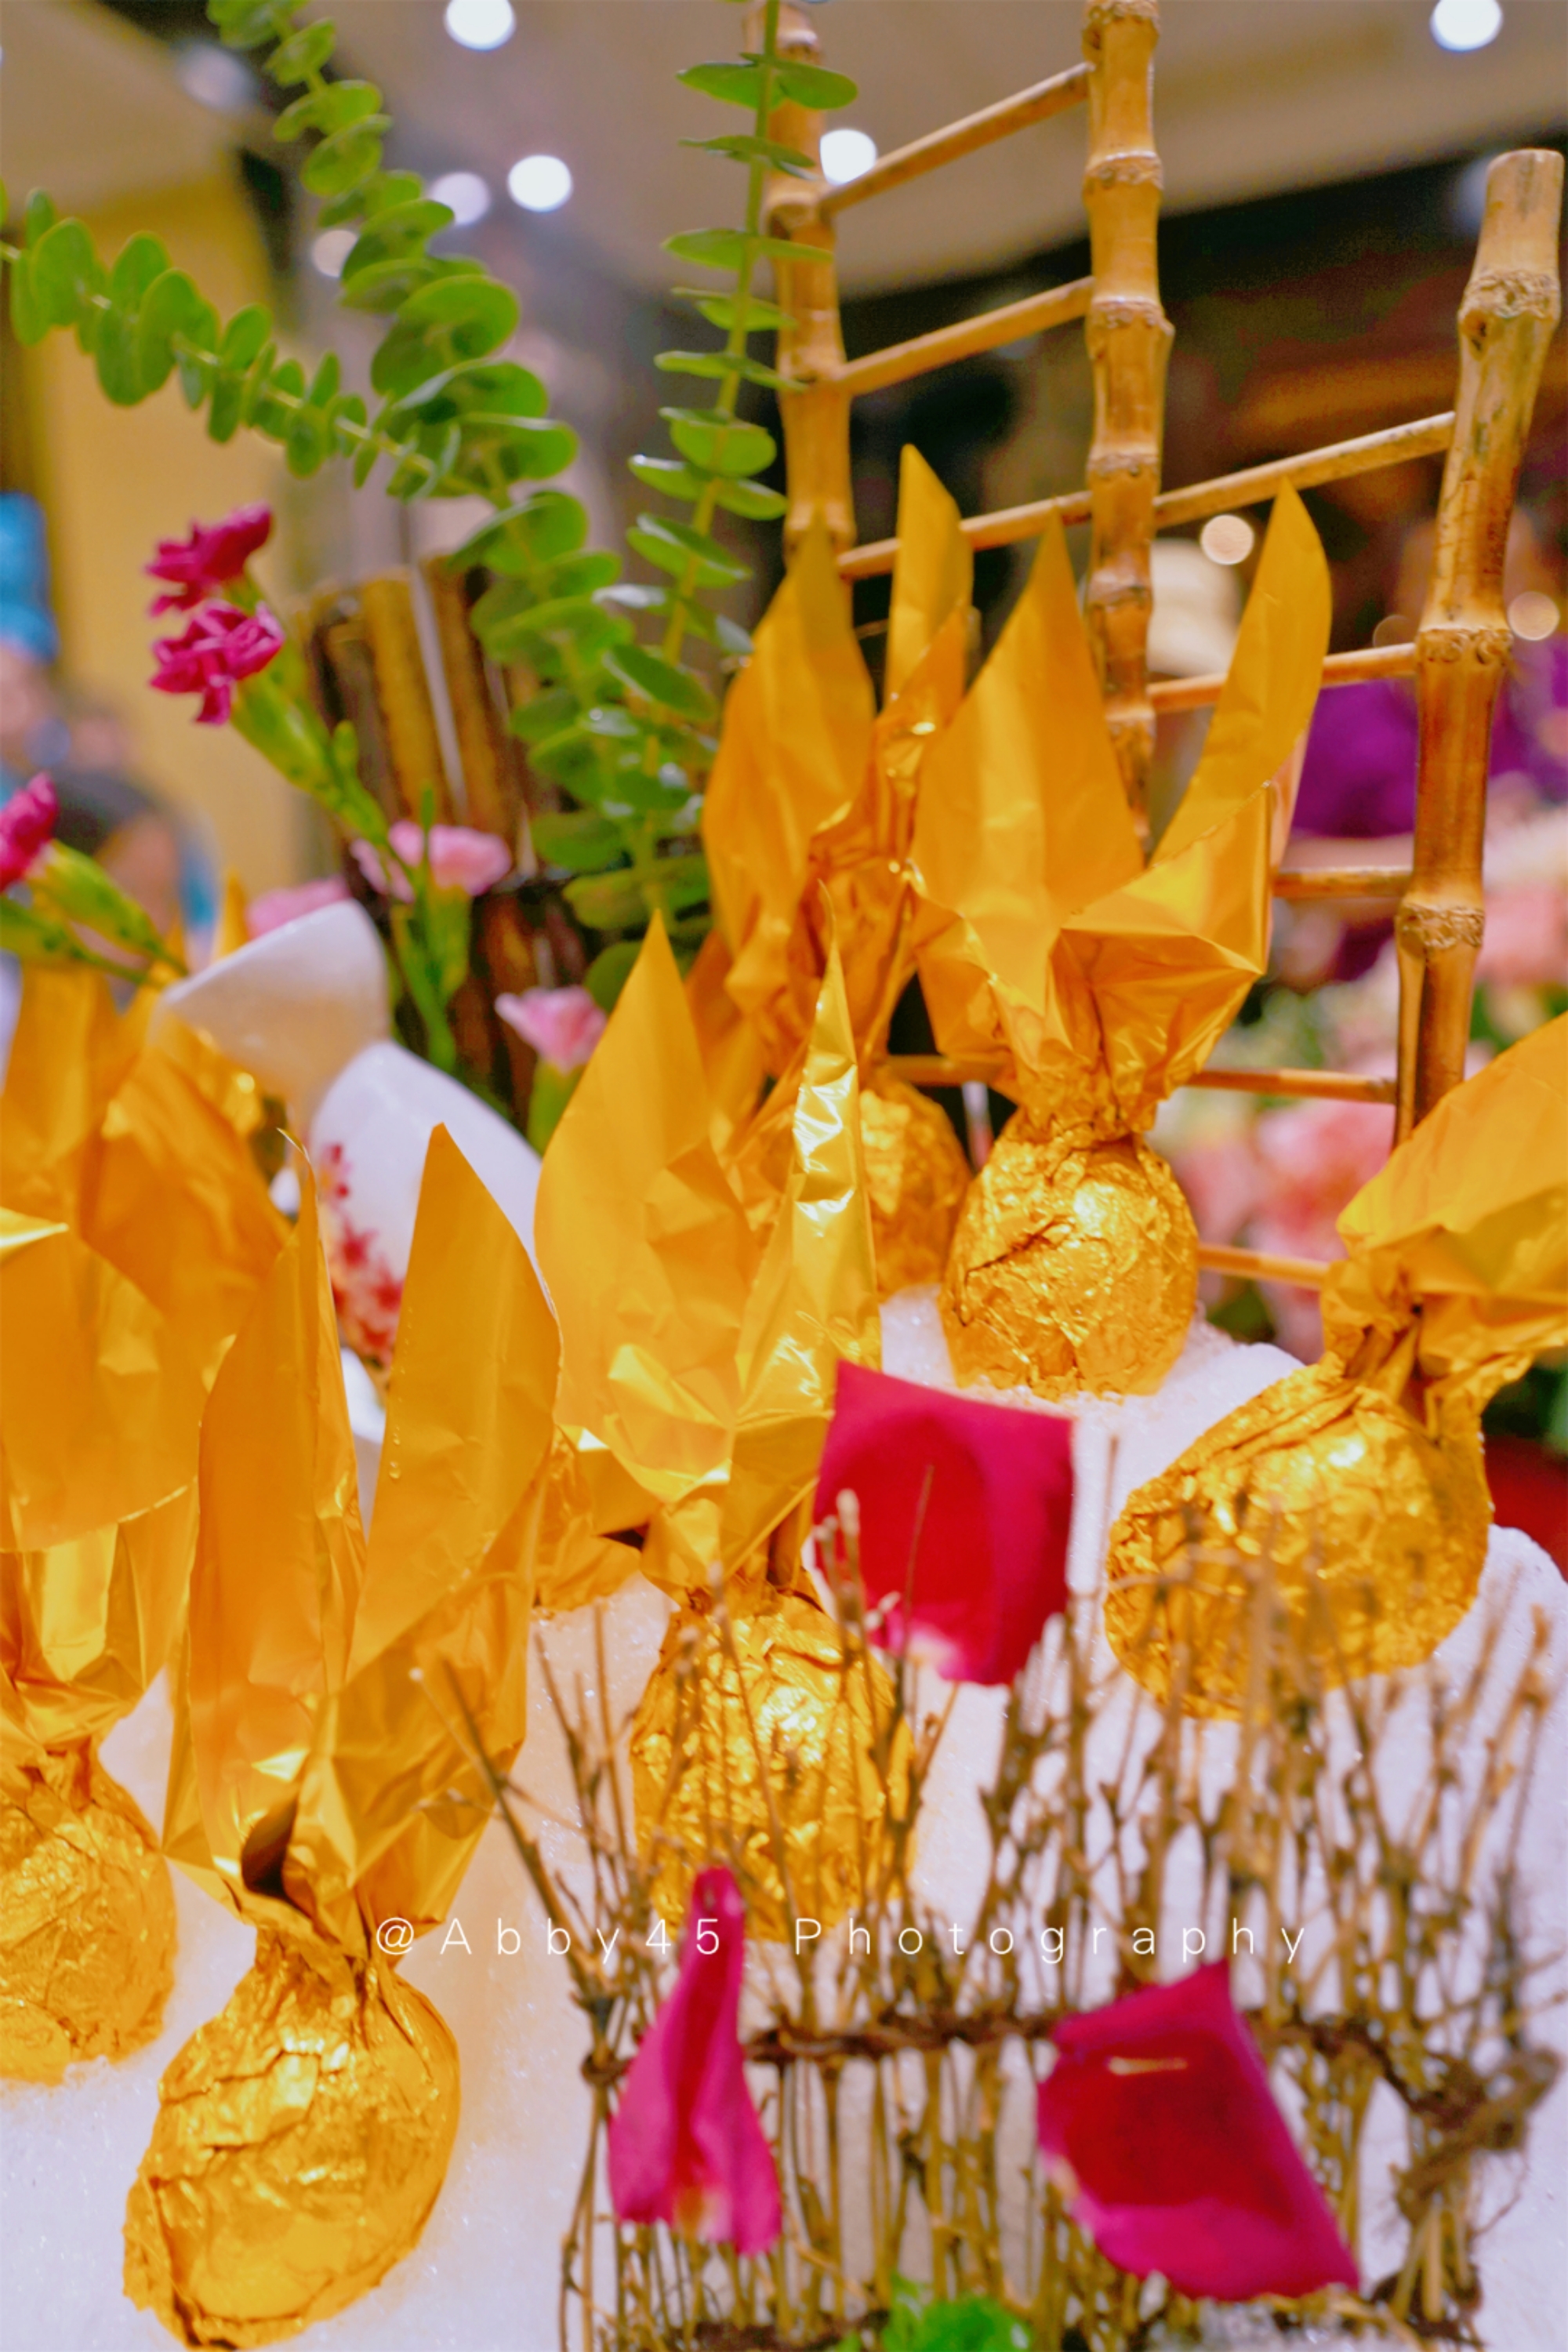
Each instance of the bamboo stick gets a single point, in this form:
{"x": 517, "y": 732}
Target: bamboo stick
{"x": 1128, "y": 340}
{"x": 1334, "y": 463}
{"x": 1299, "y": 883}
{"x": 1511, "y": 306}
{"x": 1339, "y": 669}
{"x": 816, "y": 420}
{"x": 1261, "y": 1265}
{"x": 1306, "y": 1086}
{"x": 491, "y": 799}
{"x": 1036, "y": 104}
{"x": 414, "y": 743}
{"x": 899, "y": 361}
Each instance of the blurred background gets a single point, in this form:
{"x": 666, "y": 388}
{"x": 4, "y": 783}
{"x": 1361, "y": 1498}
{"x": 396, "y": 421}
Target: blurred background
{"x": 1324, "y": 169}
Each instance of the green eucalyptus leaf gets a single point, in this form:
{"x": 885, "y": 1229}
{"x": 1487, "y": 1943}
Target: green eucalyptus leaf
{"x": 39, "y": 218}
{"x": 578, "y": 839}
{"x": 536, "y": 720}
{"x": 609, "y": 972}
{"x": 345, "y": 411}
{"x": 714, "y": 366}
{"x": 669, "y": 474}
{"x": 114, "y": 357}
{"x": 665, "y": 683}
{"x": 814, "y": 87}
{"x": 607, "y": 902}
{"x": 726, "y": 249}
{"x": 65, "y": 270}
{"x": 349, "y": 156}
{"x": 244, "y": 24}
{"x": 525, "y": 449}
{"x": 553, "y": 523}
{"x": 395, "y": 233}
{"x": 491, "y": 387}
{"x": 689, "y": 555}
{"x": 744, "y": 149}
{"x": 227, "y": 408}
{"x": 28, "y": 321}
{"x": 477, "y": 313}
{"x": 308, "y": 442}
{"x": 244, "y": 337}
{"x": 720, "y": 445}
{"x": 324, "y": 383}
{"x": 754, "y": 500}
{"x": 303, "y": 54}
{"x": 336, "y": 106}
{"x": 732, "y": 85}
{"x": 722, "y": 311}
{"x": 373, "y": 196}
{"x": 385, "y": 286}
{"x": 170, "y": 307}
{"x": 140, "y": 264}
{"x": 504, "y": 632}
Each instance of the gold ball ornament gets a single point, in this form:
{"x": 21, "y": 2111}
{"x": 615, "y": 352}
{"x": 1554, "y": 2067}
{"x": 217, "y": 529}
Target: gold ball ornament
{"x": 916, "y": 1178}
{"x": 87, "y": 1918}
{"x": 302, "y": 2138}
{"x": 786, "y": 1703}
{"x": 1322, "y": 1515}
{"x": 1074, "y": 1266}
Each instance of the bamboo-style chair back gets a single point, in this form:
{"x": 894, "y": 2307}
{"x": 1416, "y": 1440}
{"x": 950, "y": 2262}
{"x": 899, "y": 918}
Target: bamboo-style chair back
{"x": 1506, "y": 319}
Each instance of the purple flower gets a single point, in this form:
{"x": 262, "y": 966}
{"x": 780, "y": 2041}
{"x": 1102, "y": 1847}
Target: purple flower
{"x": 685, "y": 2145}
{"x": 562, "y": 1024}
{"x": 1158, "y": 2124}
{"x": 27, "y": 827}
{"x": 461, "y": 859}
{"x": 213, "y": 555}
{"x": 221, "y": 644}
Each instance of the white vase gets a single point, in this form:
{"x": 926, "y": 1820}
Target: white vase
{"x": 305, "y": 1010}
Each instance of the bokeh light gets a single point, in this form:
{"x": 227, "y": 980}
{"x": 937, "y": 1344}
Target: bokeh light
{"x": 466, "y": 193}
{"x": 1466, "y": 24}
{"x": 480, "y": 24}
{"x": 846, "y": 153}
{"x": 1226, "y": 539}
{"x": 540, "y": 183}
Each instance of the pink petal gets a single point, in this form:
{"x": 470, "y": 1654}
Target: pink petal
{"x": 273, "y": 909}
{"x": 28, "y": 822}
{"x": 965, "y": 1514}
{"x": 1159, "y": 2108}
{"x": 563, "y": 1024}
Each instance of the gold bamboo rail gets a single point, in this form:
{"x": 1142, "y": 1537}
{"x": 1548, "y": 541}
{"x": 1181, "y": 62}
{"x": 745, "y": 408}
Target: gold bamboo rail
{"x": 1332, "y": 1085}
{"x": 1339, "y": 669}
{"x": 1036, "y": 104}
{"x": 1334, "y": 463}
{"x": 1511, "y": 307}
{"x": 1261, "y": 1265}
{"x": 1128, "y": 337}
{"x": 899, "y": 361}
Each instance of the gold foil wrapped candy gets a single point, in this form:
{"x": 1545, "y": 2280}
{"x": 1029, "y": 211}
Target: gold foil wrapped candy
{"x": 316, "y": 1785}
{"x": 705, "y": 1366}
{"x": 1349, "y": 1502}
{"x": 807, "y": 823}
{"x": 1090, "y": 984}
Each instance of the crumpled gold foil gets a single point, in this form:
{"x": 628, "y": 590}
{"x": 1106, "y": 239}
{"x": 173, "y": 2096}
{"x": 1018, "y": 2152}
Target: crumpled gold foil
{"x": 99, "y": 1414}
{"x": 320, "y": 1782}
{"x": 1090, "y": 984}
{"x": 302, "y": 2138}
{"x": 809, "y": 854}
{"x": 916, "y": 1178}
{"x": 1074, "y": 1265}
{"x": 1347, "y": 1505}
{"x": 87, "y": 1917}
{"x": 754, "y": 1731}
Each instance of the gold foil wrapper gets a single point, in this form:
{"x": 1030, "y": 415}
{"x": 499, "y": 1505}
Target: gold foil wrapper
{"x": 916, "y": 1178}
{"x": 1074, "y": 1266}
{"x": 87, "y": 1918}
{"x": 302, "y": 2139}
{"x": 1322, "y": 1517}
{"x": 759, "y": 1729}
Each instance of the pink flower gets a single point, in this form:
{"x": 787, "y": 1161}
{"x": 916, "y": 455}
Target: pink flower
{"x": 1223, "y": 1181}
{"x": 213, "y": 555}
{"x": 27, "y": 827}
{"x": 1526, "y": 941}
{"x": 685, "y": 2144}
{"x": 220, "y": 647}
{"x": 1158, "y": 2124}
{"x": 276, "y": 908}
{"x": 562, "y": 1024}
{"x": 461, "y": 859}
{"x": 964, "y": 1512}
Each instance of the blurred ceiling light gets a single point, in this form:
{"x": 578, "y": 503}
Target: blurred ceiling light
{"x": 331, "y": 249}
{"x": 540, "y": 183}
{"x": 215, "y": 77}
{"x": 1226, "y": 539}
{"x": 466, "y": 193}
{"x": 1466, "y": 24}
{"x": 1533, "y": 615}
{"x": 480, "y": 24}
{"x": 845, "y": 155}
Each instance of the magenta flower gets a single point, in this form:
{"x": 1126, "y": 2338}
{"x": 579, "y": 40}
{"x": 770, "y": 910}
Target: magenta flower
{"x": 1158, "y": 2124}
{"x": 562, "y": 1024}
{"x": 685, "y": 2145}
{"x": 273, "y": 909}
{"x": 220, "y": 647}
{"x": 27, "y": 827}
{"x": 461, "y": 859}
{"x": 213, "y": 555}
{"x": 965, "y": 1511}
